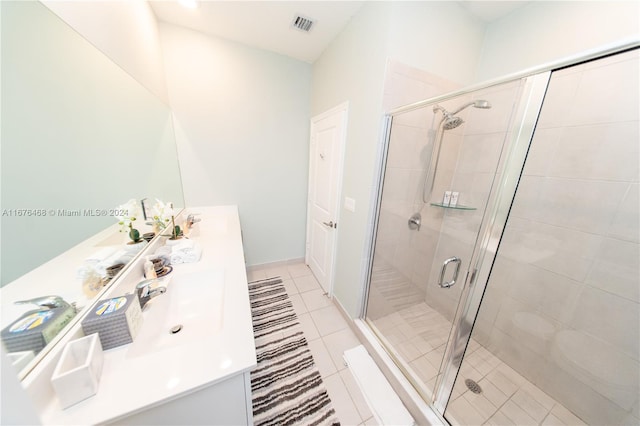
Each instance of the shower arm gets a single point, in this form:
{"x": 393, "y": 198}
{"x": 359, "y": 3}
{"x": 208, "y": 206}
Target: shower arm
{"x": 442, "y": 110}
{"x": 463, "y": 107}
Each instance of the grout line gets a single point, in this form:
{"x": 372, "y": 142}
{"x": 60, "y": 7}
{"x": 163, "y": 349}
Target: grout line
{"x": 355, "y": 406}
{"x": 547, "y": 415}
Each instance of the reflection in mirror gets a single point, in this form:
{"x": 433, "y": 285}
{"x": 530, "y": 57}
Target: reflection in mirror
{"x": 80, "y": 137}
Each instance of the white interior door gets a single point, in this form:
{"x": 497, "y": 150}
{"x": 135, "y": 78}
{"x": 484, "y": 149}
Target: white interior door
{"x": 328, "y": 134}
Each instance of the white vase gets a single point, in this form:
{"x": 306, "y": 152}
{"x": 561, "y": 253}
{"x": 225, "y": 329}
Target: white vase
{"x": 135, "y": 247}
{"x": 177, "y": 241}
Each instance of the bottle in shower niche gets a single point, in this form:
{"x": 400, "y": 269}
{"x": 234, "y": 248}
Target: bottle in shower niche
{"x": 454, "y": 199}
{"x": 447, "y": 198}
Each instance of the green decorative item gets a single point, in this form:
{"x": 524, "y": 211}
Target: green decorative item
{"x": 134, "y": 234}
{"x": 126, "y": 215}
{"x": 177, "y": 232}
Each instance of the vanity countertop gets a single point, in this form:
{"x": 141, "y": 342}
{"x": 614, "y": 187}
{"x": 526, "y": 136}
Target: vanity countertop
{"x": 131, "y": 384}
{"x": 57, "y": 276}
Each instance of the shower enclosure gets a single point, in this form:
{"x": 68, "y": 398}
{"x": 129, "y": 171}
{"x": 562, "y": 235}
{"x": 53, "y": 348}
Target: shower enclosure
{"x": 504, "y": 277}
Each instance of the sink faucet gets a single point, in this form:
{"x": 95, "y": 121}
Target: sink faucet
{"x": 146, "y": 293}
{"x": 191, "y": 219}
{"x": 46, "y": 302}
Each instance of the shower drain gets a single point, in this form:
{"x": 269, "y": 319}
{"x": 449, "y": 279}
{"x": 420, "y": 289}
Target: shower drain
{"x": 473, "y": 386}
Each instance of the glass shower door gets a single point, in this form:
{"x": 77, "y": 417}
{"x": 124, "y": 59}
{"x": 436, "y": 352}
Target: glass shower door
{"x": 445, "y": 169}
{"x": 556, "y": 338}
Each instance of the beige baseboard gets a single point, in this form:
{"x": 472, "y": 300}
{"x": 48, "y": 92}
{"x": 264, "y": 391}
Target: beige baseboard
{"x": 275, "y": 264}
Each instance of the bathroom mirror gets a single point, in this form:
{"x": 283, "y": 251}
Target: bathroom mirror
{"x": 80, "y": 137}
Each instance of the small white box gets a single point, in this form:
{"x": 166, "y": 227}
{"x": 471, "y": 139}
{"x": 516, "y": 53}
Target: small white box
{"x": 77, "y": 374}
{"x": 447, "y": 198}
{"x": 454, "y": 199}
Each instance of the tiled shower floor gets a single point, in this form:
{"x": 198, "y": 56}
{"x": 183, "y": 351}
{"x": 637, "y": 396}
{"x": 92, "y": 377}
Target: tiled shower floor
{"x": 419, "y": 334}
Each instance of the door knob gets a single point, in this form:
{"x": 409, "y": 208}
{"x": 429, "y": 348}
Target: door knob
{"x": 330, "y": 224}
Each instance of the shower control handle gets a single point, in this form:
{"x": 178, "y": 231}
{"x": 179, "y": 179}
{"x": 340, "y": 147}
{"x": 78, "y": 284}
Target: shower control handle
{"x": 443, "y": 271}
{"x": 414, "y": 222}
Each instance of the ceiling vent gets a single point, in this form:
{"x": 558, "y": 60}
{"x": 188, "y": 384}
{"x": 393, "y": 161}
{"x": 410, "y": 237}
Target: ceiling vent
{"x": 302, "y": 23}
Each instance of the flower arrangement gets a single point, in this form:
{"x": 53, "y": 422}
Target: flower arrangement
{"x": 163, "y": 215}
{"x": 126, "y": 215}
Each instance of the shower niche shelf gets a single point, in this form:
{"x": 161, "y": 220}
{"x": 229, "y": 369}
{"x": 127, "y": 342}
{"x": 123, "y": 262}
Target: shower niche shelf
{"x": 456, "y": 207}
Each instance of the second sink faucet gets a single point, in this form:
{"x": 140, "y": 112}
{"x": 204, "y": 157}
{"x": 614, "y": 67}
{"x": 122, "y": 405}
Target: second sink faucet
{"x": 46, "y": 302}
{"x": 191, "y": 219}
{"x": 146, "y": 293}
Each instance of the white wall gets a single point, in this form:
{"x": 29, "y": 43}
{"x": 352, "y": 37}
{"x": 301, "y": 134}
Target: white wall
{"x": 125, "y": 31}
{"x": 242, "y": 128}
{"x": 437, "y": 36}
{"x": 545, "y": 31}
{"x": 352, "y": 69}
{"x": 414, "y": 33}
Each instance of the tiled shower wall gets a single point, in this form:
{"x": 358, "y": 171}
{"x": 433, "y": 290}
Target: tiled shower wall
{"x": 409, "y": 154}
{"x": 473, "y": 154}
{"x": 562, "y": 303}
{"x": 468, "y": 162}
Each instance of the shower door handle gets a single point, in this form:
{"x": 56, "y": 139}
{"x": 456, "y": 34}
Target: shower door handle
{"x": 443, "y": 270}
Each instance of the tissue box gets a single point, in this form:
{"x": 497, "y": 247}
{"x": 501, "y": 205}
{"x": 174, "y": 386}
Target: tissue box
{"x": 33, "y": 330}
{"x": 116, "y": 321}
{"x": 78, "y": 371}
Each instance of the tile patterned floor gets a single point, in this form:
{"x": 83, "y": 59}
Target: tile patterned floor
{"x": 328, "y": 335}
{"x": 419, "y": 333}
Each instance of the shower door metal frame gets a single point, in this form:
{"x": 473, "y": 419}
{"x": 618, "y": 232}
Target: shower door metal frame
{"x": 519, "y": 134}
{"x": 491, "y": 228}
{"x": 381, "y": 162}
{"x": 502, "y": 192}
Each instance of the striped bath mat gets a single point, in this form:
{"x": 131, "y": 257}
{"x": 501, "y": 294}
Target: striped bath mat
{"x": 286, "y": 387}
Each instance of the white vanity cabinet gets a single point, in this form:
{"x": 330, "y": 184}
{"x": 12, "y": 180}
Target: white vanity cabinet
{"x": 225, "y": 403}
{"x": 199, "y": 378}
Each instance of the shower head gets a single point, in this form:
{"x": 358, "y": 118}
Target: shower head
{"x": 451, "y": 121}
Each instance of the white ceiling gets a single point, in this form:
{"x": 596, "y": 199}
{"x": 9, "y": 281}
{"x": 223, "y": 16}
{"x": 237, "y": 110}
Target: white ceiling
{"x": 491, "y": 10}
{"x": 266, "y": 24}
